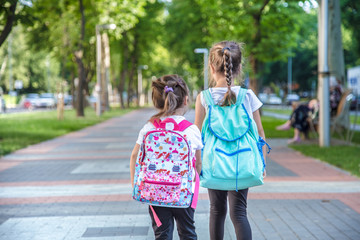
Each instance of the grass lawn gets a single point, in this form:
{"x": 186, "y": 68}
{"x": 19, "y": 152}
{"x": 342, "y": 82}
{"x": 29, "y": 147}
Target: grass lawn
{"x": 270, "y": 124}
{"x": 285, "y": 111}
{"x": 345, "y": 157}
{"x": 23, "y": 129}
{"x": 289, "y": 111}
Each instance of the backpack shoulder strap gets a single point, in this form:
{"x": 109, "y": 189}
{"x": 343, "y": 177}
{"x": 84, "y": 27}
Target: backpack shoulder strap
{"x": 241, "y": 96}
{"x": 184, "y": 124}
{"x": 181, "y": 126}
{"x": 208, "y": 98}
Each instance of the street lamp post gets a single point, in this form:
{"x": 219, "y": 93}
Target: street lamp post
{"x": 98, "y": 87}
{"x": 324, "y": 115}
{"x": 141, "y": 97}
{"x": 205, "y": 51}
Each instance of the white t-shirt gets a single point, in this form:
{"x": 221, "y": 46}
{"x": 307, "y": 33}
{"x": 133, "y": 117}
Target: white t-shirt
{"x": 192, "y": 133}
{"x": 251, "y": 102}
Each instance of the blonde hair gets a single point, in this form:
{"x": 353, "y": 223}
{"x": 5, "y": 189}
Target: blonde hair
{"x": 225, "y": 57}
{"x": 168, "y": 94}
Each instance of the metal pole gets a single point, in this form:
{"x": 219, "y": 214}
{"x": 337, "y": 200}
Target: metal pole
{"x": 98, "y": 71}
{"x": 324, "y": 80}
{"x": 139, "y": 85}
{"x": 206, "y": 83}
{"x": 48, "y": 72}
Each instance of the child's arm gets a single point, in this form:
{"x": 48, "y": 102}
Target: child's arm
{"x": 261, "y": 132}
{"x": 198, "y": 161}
{"x": 133, "y": 161}
{"x": 199, "y": 113}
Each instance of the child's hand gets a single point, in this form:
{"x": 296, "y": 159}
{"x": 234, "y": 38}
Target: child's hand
{"x": 264, "y": 173}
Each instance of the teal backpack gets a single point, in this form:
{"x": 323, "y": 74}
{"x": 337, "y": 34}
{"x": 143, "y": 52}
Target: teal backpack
{"x": 232, "y": 156}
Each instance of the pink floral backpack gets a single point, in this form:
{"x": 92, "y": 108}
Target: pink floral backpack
{"x": 165, "y": 167}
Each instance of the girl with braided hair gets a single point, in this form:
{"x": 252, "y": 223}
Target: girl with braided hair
{"x": 225, "y": 65}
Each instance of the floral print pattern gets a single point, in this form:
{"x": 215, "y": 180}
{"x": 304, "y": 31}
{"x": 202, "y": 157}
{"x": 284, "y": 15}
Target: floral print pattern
{"x": 164, "y": 171}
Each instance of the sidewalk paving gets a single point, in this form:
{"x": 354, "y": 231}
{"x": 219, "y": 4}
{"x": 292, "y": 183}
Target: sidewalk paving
{"x": 77, "y": 187}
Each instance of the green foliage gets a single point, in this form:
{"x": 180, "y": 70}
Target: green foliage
{"x": 304, "y": 57}
{"x": 236, "y": 20}
{"x": 351, "y": 19}
{"x": 125, "y": 14}
{"x": 164, "y": 34}
{"x": 23, "y": 129}
{"x": 186, "y": 29}
{"x": 20, "y": 15}
{"x": 28, "y": 66}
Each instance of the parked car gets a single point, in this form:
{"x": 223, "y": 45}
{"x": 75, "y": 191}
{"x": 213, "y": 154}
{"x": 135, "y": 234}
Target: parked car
{"x": 263, "y": 97}
{"x": 2, "y": 105}
{"x": 273, "y": 99}
{"x": 68, "y": 100}
{"x": 355, "y": 103}
{"x": 292, "y": 98}
{"x": 92, "y": 100}
{"x": 47, "y": 100}
{"x": 31, "y": 100}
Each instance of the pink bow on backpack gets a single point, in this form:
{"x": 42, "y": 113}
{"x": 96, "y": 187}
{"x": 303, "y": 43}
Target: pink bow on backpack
{"x": 181, "y": 126}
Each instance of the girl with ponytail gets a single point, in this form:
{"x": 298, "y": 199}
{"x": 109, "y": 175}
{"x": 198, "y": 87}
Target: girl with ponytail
{"x": 170, "y": 96}
{"x": 225, "y": 59}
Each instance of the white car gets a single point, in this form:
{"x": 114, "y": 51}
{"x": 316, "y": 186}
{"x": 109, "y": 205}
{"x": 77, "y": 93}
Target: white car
{"x": 2, "y": 105}
{"x": 269, "y": 98}
{"x": 263, "y": 97}
{"x": 46, "y": 100}
{"x": 273, "y": 99}
{"x": 292, "y": 98}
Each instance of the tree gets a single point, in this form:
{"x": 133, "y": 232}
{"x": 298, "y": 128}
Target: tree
{"x": 351, "y": 19}
{"x": 269, "y": 29}
{"x": 8, "y": 14}
{"x": 304, "y": 58}
{"x": 12, "y": 13}
{"x": 56, "y": 28}
{"x": 78, "y": 54}
{"x": 186, "y": 29}
{"x": 335, "y": 50}
{"x": 27, "y": 65}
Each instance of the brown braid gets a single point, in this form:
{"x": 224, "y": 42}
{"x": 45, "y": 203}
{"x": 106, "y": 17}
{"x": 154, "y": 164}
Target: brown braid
{"x": 230, "y": 97}
{"x": 225, "y": 57}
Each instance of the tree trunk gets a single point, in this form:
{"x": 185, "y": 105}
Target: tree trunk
{"x": 336, "y": 53}
{"x": 253, "y": 83}
{"x": 9, "y": 23}
{"x": 106, "y": 70}
{"x": 134, "y": 63}
{"x": 80, "y": 87}
{"x": 81, "y": 69}
{"x": 256, "y": 39}
{"x": 124, "y": 68}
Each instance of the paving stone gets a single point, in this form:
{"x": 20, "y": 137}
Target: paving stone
{"x": 102, "y": 152}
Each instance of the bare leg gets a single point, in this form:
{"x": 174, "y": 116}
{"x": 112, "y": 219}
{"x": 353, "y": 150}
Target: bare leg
{"x": 296, "y": 137}
{"x": 285, "y": 126}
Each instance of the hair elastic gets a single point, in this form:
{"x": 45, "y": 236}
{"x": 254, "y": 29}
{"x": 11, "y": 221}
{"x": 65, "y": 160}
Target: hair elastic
{"x": 225, "y": 48}
{"x": 168, "y": 89}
